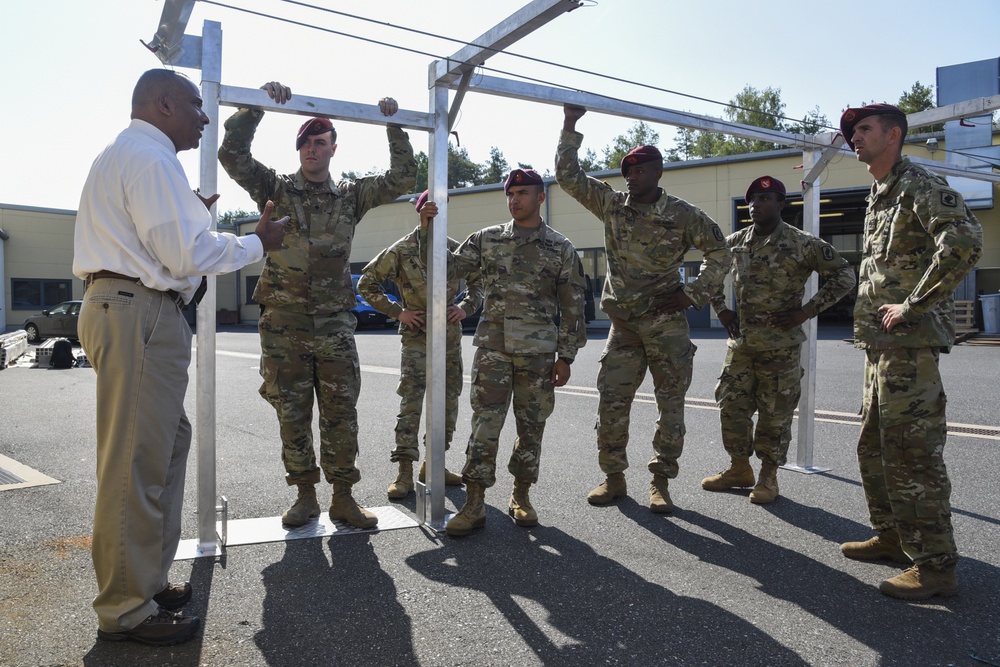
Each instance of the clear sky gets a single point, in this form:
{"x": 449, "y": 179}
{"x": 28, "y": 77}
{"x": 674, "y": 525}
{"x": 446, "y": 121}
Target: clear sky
{"x": 69, "y": 67}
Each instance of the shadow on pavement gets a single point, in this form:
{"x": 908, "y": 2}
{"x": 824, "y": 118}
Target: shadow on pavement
{"x": 894, "y": 629}
{"x": 572, "y": 606}
{"x": 338, "y": 610}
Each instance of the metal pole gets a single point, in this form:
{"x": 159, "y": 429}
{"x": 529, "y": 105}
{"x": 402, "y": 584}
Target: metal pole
{"x": 807, "y": 403}
{"x": 211, "y": 72}
{"x": 437, "y": 304}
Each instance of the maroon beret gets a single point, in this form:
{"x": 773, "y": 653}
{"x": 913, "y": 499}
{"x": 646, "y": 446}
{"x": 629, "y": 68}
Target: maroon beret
{"x": 765, "y": 184}
{"x": 421, "y": 200}
{"x": 641, "y": 155}
{"x": 853, "y": 116}
{"x": 522, "y": 177}
{"x": 312, "y": 127}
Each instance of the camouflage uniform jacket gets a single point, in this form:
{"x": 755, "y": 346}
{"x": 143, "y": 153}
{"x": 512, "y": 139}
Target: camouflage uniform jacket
{"x": 645, "y": 249}
{"x": 528, "y": 278}
{"x": 920, "y": 242}
{"x": 769, "y": 276}
{"x": 405, "y": 263}
{"x": 311, "y": 273}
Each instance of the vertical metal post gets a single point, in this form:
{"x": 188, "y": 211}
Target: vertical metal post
{"x": 807, "y": 403}
{"x": 211, "y": 73}
{"x": 437, "y": 304}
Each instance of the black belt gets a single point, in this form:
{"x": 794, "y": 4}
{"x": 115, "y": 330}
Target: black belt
{"x": 173, "y": 295}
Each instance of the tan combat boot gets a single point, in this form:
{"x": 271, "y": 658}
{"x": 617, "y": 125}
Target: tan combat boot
{"x": 884, "y": 546}
{"x": 520, "y": 505}
{"x": 767, "y": 485}
{"x": 473, "y": 512}
{"x": 343, "y": 507}
{"x": 304, "y": 508}
{"x": 921, "y": 582}
{"x": 739, "y": 474}
{"x": 611, "y": 488}
{"x": 450, "y": 478}
{"x": 659, "y": 497}
{"x": 404, "y": 481}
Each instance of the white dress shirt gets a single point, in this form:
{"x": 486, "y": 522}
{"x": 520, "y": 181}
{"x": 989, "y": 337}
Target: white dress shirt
{"x": 139, "y": 217}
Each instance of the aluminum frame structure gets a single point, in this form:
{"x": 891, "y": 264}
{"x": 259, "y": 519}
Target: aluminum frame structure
{"x": 175, "y": 48}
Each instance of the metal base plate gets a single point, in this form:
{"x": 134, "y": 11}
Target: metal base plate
{"x": 808, "y": 470}
{"x": 270, "y": 529}
{"x": 15, "y": 475}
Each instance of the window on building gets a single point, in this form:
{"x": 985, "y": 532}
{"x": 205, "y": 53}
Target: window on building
{"x": 251, "y": 286}
{"x": 594, "y": 264}
{"x": 29, "y": 293}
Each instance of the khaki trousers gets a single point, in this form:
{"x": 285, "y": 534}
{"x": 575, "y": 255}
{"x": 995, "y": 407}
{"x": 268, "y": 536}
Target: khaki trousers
{"x": 140, "y": 347}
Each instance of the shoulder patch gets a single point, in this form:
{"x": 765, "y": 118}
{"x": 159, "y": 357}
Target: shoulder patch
{"x": 717, "y": 233}
{"x": 949, "y": 199}
{"x": 827, "y": 253}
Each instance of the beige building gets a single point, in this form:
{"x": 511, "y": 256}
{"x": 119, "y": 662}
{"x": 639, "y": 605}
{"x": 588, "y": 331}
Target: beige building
{"x": 36, "y": 244}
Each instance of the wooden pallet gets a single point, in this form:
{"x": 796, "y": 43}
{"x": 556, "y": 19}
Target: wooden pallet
{"x": 965, "y": 317}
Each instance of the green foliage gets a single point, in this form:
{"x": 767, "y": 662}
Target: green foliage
{"x": 355, "y": 175}
{"x": 230, "y": 218}
{"x": 495, "y": 169}
{"x": 462, "y": 171}
{"x": 590, "y": 162}
{"x": 919, "y": 98}
{"x": 640, "y": 134}
{"x": 422, "y": 169}
{"x": 813, "y": 122}
{"x": 759, "y": 108}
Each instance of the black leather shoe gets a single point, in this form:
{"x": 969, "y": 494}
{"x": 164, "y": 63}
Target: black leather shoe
{"x": 164, "y": 628}
{"x": 174, "y": 596}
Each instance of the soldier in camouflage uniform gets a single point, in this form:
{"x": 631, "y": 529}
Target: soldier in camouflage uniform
{"x": 531, "y": 273}
{"x": 920, "y": 242}
{"x": 405, "y": 263}
{"x": 306, "y": 296}
{"x": 646, "y": 234}
{"x": 772, "y": 261}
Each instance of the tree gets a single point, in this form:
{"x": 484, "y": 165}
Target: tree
{"x": 693, "y": 144}
{"x": 353, "y": 175}
{"x": 462, "y": 171}
{"x": 230, "y": 218}
{"x": 759, "y": 108}
{"x": 590, "y": 162}
{"x": 422, "y": 170}
{"x": 495, "y": 169}
{"x": 813, "y": 122}
{"x": 640, "y": 134}
{"x": 919, "y": 98}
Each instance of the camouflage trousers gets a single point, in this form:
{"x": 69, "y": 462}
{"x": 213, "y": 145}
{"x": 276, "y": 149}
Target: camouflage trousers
{"x": 302, "y": 356}
{"x": 769, "y": 383}
{"x": 413, "y": 386}
{"x": 496, "y": 377}
{"x": 901, "y": 452}
{"x": 662, "y": 344}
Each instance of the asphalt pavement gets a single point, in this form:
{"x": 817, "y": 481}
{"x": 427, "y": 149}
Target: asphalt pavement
{"x": 718, "y": 582}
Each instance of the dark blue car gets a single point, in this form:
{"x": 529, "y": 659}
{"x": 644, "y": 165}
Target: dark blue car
{"x": 368, "y": 316}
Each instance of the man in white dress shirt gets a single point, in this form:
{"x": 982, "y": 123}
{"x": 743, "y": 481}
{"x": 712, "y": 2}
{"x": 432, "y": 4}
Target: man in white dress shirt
{"x": 142, "y": 243}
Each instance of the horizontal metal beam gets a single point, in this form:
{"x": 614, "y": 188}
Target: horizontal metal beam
{"x": 519, "y": 24}
{"x": 301, "y": 105}
{"x": 956, "y": 170}
{"x": 967, "y": 109}
{"x": 558, "y": 96}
